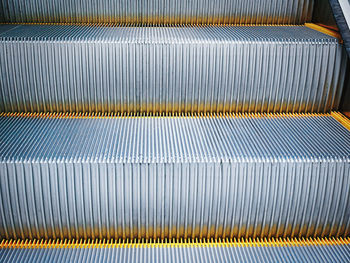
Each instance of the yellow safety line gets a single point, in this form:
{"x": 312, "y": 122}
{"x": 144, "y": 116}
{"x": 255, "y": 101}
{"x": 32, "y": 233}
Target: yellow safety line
{"x": 73, "y": 115}
{"x": 342, "y": 119}
{"x": 137, "y": 24}
{"x": 121, "y": 243}
{"x": 334, "y": 28}
{"x": 324, "y": 30}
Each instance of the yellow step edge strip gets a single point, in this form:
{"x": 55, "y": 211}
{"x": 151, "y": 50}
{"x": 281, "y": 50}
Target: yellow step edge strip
{"x": 251, "y": 242}
{"x": 156, "y": 115}
{"x": 136, "y": 24}
{"x": 325, "y": 30}
{"x": 342, "y": 119}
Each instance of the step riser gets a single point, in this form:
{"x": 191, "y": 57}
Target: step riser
{"x": 170, "y": 70}
{"x": 159, "y": 11}
{"x": 174, "y": 200}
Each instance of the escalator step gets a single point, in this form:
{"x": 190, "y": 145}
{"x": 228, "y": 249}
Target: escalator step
{"x": 52, "y": 68}
{"x": 73, "y": 176}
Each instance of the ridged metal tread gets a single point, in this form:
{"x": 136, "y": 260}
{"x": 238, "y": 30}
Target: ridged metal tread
{"x": 177, "y": 138}
{"x": 65, "y": 176}
{"x": 314, "y": 250}
{"x": 67, "y": 68}
{"x": 158, "y": 11}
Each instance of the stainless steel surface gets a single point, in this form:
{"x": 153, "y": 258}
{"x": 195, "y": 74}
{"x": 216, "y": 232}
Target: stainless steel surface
{"x": 169, "y": 69}
{"x": 174, "y": 177}
{"x": 158, "y": 11}
{"x": 325, "y": 253}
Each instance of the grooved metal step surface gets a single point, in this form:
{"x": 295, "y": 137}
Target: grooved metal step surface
{"x": 73, "y": 176}
{"x": 158, "y": 11}
{"x": 311, "y": 250}
{"x": 56, "y": 68}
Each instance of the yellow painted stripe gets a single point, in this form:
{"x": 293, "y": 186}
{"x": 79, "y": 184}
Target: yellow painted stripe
{"x": 133, "y": 24}
{"x": 275, "y": 242}
{"x": 342, "y": 119}
{"x": 324, "y": 30}
{"x": 149, "y": 115}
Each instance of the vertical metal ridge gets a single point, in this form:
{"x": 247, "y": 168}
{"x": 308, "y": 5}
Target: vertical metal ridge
{"x": 170, "y": 69}
{"x": 152, "y": 12}
{"x": 220, "y": 176}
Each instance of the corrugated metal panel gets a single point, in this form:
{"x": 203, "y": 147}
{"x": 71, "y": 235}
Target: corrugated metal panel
{"x": 159, "y": 11}
{"x": 192, "y": 252}
{"x": 174, "y": 177}
{"x": 169, "y": 69}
